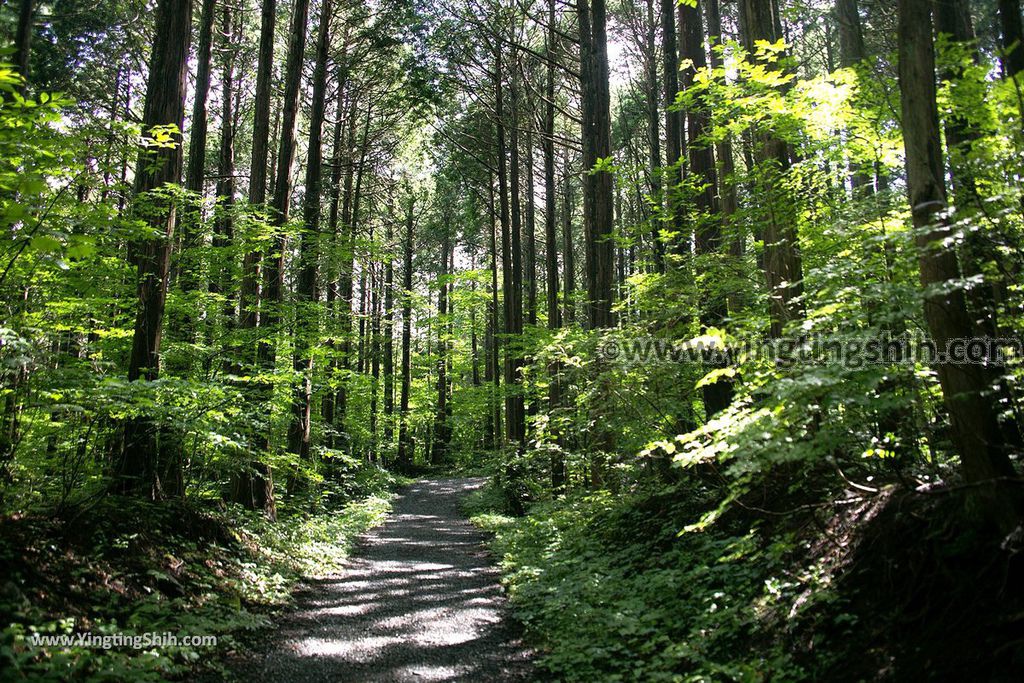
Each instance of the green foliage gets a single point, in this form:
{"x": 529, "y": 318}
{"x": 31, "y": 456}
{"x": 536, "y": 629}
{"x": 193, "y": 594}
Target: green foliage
{"x": 609, "y": 591}
{"x": 183, "y": 572}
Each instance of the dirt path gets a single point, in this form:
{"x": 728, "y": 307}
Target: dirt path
{"x": 420, "y": 601}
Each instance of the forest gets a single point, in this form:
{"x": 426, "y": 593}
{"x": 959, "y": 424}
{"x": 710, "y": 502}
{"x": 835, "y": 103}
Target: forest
{"x": 668, "y": 340}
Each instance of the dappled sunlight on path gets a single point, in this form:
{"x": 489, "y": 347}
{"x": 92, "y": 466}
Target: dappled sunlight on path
{"x": 419, "y": 601}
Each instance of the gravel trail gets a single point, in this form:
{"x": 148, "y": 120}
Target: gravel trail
{"x": 419, "y": 601}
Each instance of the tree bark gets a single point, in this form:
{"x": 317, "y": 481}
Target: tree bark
{"x": 253, "y": 487}
{"x": 568, "y": 250}
{"x": 782, "y": 262}
{"x": 727, "y": 200}
{"x": 307, "y": 321}
{"x": 405, "y": 444}
{"x": 985, "y": 464}
{"x": 439, "y": 447}
{"x": 494, "y": 329}
{"x": 23, "y": 38}
{"x": 223, "y": 222}
{"x": 654, "y": 135}
{"x": 515, "y": 416}
{"x": 551, "y": 241}
{"x": 274, "y": 270}
{"x": 1013, "y": 37}
{"x": 598, "y": 195}
{"x": 708, "y": 227}
{"x": 530, "y": 264}
{"x": 139, "y": 469}
{"x": 196, "y": 171}
{"x": 389, "y": 331}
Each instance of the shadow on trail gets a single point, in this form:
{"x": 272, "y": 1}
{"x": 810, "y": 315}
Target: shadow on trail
{"x": 419, "y": 601}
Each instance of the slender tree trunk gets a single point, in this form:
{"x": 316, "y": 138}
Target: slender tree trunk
{"x": 405, "y": 442}
{"x": 782, "y": 262}
{"x": 261, "y": 113}
{"x": 653, "y": 134}
{"x": 23, "y": 37}
{"x": 274, "y": 270}
{"x": 852, "y": 54}
{"x": 531, "y": 235}
{"x": 374, "y": 352}
{"x": 389, "y": 331}
{"x": 361, "y": 343}
{"x": 986, "y": 466}
{"x": 515, "y": 417}
{"x": 327, "y": 402}
{"x": 953, "y": 18}
{"x": 1013, "y": 37}
{"x": 728, "y": 201}
{"x": 515, "y": 420}
{"x": 494, "y": 326}
{"x": 344, "y": 287}
{"x": 307, "y": 322}
{"x": 598, "y": 197}
{"x": 708, "y": 227}
{"x": 439, "y": 448}
{"x": 551, "y": 240}
{"x": 350, "y": 217}
{"x": 254, "y": 487}
{"x": 568, "y": 250}
{"x": 673, "y": 119}
{"x": 196, "y": 171}
{"x": 598, "y": 193}
{"x": 138, "y": 469}
{"x": 550, "y": 218}
{"x": 223, "y": 223}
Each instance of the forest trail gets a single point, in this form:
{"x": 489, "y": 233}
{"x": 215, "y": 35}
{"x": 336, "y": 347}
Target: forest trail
{"x": 419, "y": 601}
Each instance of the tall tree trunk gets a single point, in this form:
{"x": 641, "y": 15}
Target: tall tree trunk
{"x": 439, "y": 448}
{"x": 851, "y": 33}
{"x": 494, "y": 326}
{"x": 953, "y": 18}
{"x": 782, "y": 262}
{"x": 350, "y": 218}
{"x": 254, "y": 487}
{"x": 332, "y": 277}
{"x": 708, "y": 227}
{"x": 185, "y": 268}
{"x": 852, "y": 54}
{"x": 23, "y": 38}
{"x": 531, "y": 234}
{"x": 986, "y": 466}
{"x": 306, "y": 320}
{"x": 728, "y": 201}
{"x": 374, "y": 352}
{"x": 389, "y": 329}
{"x": 568, "y": 250}
{"x": 274, "y": 270}
{"x": 551, "y": 240}
{"x": 1013, "y": 37}
{"x": 405, "y": 443}
{"x": 261, "y": 112}
{"x": 653, "y": 134}
{"x": 598, "y": 197}
{"x": 347, "y": 239}
{"x": 673, "y": 119}
{"x": 223, "y": 223}
{"x": 138, "y": 469}
{"x": 515, "y": 417}
{"x": 195, "y": 174}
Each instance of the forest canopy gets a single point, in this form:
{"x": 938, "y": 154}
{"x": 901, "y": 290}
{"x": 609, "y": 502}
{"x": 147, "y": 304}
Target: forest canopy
{"x": 723, "y": 277}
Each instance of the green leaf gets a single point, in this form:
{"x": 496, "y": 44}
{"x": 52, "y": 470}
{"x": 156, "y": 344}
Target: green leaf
{"x": 45, "y": 244}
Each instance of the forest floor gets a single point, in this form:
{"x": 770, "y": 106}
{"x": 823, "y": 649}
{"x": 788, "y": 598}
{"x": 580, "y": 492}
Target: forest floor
{"x": 419, "y": 600}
